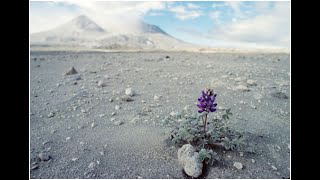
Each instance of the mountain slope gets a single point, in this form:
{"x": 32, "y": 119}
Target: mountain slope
{"x": 84, "y": 32}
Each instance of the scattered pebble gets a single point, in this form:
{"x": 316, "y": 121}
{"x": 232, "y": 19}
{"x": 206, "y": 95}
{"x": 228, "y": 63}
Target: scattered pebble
{"x": 238, "y": 165}
{"x": 126, "y": 98}
{"x": 279, "y": 95}
{"x": 93, "y": 125}
{"x": 51, "y": 114}
{"x": 274, "y": 168}
{"x": 113, "y": 113}
{"x": 112, "y": 119}
{"x": 251, "y": 82}
{"x": 71, "y": 71}
{"x": 35, "y": 167}
{"x": 44, "y": 157}
{"x": 101, "y": 115}
{"x": 68, "y": 138}
{"x": 117, "y": 123}
{"x": 102, "y": 83}
{"x": 117, "y": 107}
{"x": 253, "y": 161}
{"x": 74, "y": 159}
{"x": 129, "y": 92}
{"x": 157, "y": 98}
{"x": 91, "y": 165}
{"x": 242, "y": 88}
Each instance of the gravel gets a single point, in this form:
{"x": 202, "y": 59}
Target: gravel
{"x": 162, "y": 87}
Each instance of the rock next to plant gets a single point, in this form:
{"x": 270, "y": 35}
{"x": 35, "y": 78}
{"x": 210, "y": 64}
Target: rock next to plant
{"x": 190, "y": 160}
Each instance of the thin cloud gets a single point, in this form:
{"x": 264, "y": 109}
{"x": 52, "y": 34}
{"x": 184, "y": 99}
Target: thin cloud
{"x": 272, "y": 28}
{"x": 184, "y": 13}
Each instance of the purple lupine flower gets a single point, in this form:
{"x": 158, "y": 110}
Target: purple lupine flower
{"x": 207, "y": 101}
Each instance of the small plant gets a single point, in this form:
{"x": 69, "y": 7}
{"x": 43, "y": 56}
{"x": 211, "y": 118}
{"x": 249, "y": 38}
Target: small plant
{"x": 203, "y": 132}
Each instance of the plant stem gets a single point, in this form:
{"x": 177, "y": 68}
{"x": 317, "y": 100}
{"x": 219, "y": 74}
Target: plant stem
{"x": 205, "y": 124}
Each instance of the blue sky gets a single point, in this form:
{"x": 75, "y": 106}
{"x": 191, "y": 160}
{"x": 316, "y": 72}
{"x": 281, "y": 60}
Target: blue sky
{"x": 215, "y": 24}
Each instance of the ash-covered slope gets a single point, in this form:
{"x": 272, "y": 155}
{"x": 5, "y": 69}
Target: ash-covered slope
{"x": 83, "y": 32}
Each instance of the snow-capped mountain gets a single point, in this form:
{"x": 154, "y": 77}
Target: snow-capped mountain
{"x": 84, "y": 32}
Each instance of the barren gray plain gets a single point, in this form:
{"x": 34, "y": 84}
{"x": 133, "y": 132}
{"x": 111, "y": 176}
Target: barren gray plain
{"x": 84, "y": 130}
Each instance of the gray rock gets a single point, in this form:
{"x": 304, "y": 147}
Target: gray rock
{"x": 71, "y": 71}
{"x": 238, "y": 165}
{"x": 50, "y": 115}
{"x": 44, "y": 157}
{"x": 185, "y": 152}
{"x": 35, "y": 167}
{"x": 193, "y": 166}
{"x": 274, "y": 168}
{"x": 91, "y": 165}
{"x": 242, "y": 88}
{"x": 102, "y": 83}
{"x": 117, "y": 107}
{"x": 251, "y": 82}
{"x": 279, "y": 95}
{"x": 126, "y": 98}
{"x": 129, "y": 92}
{"x": 117, "y": 123}
{"x": 238, "y": 79}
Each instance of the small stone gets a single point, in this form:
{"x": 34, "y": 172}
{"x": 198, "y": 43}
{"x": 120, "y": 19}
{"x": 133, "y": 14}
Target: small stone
{"x": 102, "y": 153}
{"x": 117, "y": 123}
{"x": 81, "y": 143}
{"x": 83, "y": 111}
{"x": 238, "y": 165}
{"x": 111, "y": 99}
{"x": 113, "y": 113}
{"x": 44, "y": 157}
{"x": 35, "y": 167}
{"x": 51, "y": 114}
{"x": 101, "y": 115}
{"x": 143, "y": 101}
{"x": 251, "y": 82}
{"x": 93, "y": 125}
{"x": 74, "y": 159}
{"x": 68, "y": 138}
{"x": 253, "y": 161}
{"x": 279, "y": 95}
{"x": 185, "y": 152}
{"x": 173, "y": 113}
{"x": 102, "y": 83}
{"x": 71, "y": 71}
{"x": 238, "y": 79}
{"x": 129, "y": 92}
{"x": 156, "y": 98}
{"x": 91, "y": 165}
{"x": 134, "y": 120}
{"x": 242, "y": 88}
{"x": 117, "y": 107}
{"x": 126, "y": 98}
{"x": 193, "y": 166}
{"x": 112, "y": 119}
{"x": 53, "y": 131}
{"x": 274, "y": 168}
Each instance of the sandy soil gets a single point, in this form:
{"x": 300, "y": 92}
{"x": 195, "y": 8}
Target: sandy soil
{"x": 74, "y": 121}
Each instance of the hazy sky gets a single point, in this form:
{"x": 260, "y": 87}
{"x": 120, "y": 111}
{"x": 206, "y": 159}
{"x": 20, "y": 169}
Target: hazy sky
{"x": 217, "y": 24}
